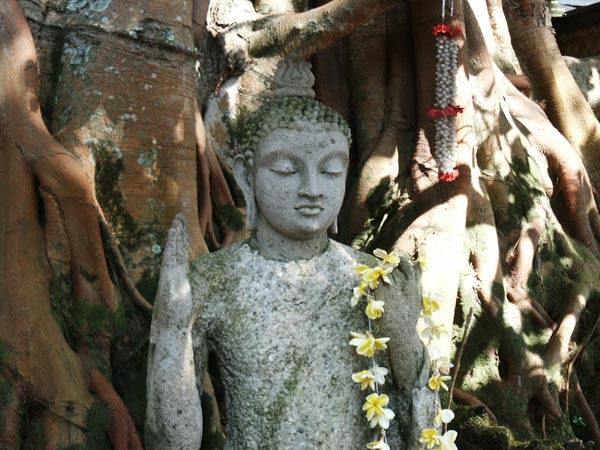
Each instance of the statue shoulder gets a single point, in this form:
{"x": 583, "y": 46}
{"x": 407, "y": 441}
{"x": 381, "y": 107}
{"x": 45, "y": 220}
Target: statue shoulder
{"x": 356, "y": 256}
{"x": 406, "y": 272}
{"x": 216, "y": 258}
{"x": 215, "y": 269}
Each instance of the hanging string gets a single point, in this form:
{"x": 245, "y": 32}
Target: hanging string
{"x": 443, "y": 9}
{"x": 451, "y": 7}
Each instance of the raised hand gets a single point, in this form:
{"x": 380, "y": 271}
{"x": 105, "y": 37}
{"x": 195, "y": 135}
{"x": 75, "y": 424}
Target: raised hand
{"x": 173, "y": 305}
{"x": 174, "y": 413}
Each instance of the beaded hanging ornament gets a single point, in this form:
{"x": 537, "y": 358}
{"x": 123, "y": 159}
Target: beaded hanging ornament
{"x": 445, "y": 109}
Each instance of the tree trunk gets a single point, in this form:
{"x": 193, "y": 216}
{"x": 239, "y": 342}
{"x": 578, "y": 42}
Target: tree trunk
{"x": 534, "y": 42}
{"x": 138, "y": 134}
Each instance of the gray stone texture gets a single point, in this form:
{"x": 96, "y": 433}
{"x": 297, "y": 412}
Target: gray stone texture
{"x": 280, "y": 331}
{"x": 276, "y": 313}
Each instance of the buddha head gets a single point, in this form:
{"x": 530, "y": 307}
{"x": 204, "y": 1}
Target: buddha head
{"x": 292, "y": 166}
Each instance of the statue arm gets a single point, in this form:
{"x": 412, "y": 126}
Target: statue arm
{"x": 408, "y": 356}
{"x": 174, "y": 414}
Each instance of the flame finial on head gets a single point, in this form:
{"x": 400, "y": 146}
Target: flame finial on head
{"x": 293, "y": 77}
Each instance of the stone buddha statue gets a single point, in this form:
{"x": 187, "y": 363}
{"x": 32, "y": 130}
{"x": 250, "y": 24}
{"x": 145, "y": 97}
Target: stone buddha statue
{"x": 275, "y": 309}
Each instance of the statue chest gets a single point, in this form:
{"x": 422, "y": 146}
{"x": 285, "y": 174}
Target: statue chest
{"x": 282, "y": 341}
{"x": 275, "y": 335}
{"x": 280, "y": 332}
{"x": 278, "y": 319}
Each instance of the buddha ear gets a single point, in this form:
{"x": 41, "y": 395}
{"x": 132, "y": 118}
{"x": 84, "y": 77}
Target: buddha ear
{"x": 242, "y": 172}
{"x": 333, "y": 228}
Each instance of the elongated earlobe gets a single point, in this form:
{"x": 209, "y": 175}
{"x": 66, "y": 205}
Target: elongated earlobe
{"x": 242, "y": 175}
{"x": 250, "y": 214}
{"x": 333, "y": 228}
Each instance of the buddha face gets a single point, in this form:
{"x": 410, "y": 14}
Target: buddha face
{"x": 298, "y": 179}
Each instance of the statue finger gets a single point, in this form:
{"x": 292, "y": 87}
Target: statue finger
{"x": 176, "y": 247}
{"x": 174, "y": 302}
{"x": 173, "y": 296}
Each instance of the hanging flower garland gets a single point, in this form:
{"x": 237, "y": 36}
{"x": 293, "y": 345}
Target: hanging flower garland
{"x": 431, "y": 332}
{"x": 367, "y": 345}
{"x": 445, "y": 109}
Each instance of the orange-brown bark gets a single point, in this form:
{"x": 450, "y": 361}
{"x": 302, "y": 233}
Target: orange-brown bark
{"x": 122, "y": 430}
{"x": 213, "y": 188}
{"x": 386, "y": 156}
{"x": 311, "y": 31}
{"x": 143, "y": 151}
{"x": 40, "y": 360}
{"x": 331, "y": 85}
{"x": 538, "y": 52}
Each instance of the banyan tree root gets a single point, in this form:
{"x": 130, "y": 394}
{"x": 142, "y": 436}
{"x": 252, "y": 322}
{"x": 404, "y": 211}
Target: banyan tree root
{"x": 586, "y": 412}
{"x": 212, "y": 183}
{"x": 122, "y": 432}
{"x": 41, "y": 378}
{"x": 465, "y": 398}
{"x": 574, "y": 188}
{"x": 111, "y": 247}
{"x": 535, "y": 45}
{"x": 53, "y": 373}
{"x": 389, "y": 149}
{"x": 519, "y": 269}
{"x": 525, "y": 373}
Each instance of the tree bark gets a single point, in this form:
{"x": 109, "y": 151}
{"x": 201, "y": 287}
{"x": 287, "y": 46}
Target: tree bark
{"x": 536, "y": 47}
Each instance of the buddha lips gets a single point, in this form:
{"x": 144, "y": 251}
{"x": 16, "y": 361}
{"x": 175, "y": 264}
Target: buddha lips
{"x": 445, "y": 108}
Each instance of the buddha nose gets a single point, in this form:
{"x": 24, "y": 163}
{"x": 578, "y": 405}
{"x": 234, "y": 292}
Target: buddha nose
{"x": 310, "y": 184}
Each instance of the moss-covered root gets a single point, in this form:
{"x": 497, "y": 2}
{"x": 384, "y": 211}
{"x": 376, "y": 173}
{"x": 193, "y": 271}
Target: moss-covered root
{"x": 476, "y": 432}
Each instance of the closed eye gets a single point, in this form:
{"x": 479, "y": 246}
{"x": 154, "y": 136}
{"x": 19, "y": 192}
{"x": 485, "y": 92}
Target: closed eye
{"x": 283, "y": 168}
{"x": 283, "y": 171}
{"x": 333, "y": 167}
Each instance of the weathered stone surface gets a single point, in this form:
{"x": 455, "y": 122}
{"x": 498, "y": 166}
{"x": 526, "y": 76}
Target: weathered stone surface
{"x": 174, "y": 416}
{"x": 280, "y": 331}
{"x": 276, "y": 313}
